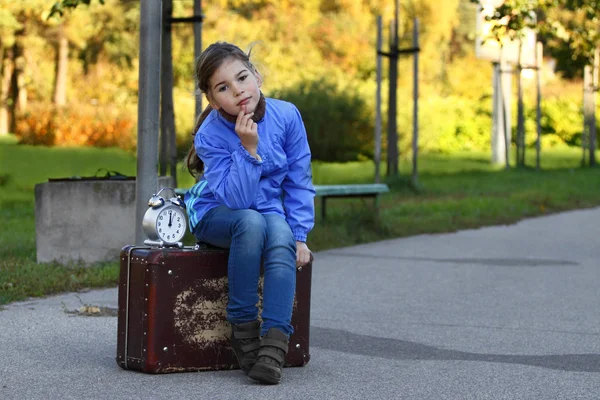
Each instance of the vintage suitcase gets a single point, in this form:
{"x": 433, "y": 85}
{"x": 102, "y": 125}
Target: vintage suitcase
{"x": 172, "y": 311}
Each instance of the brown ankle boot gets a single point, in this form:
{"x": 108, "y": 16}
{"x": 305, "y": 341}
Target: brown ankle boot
{"x": 271, "y": 357}
{"x": 245, "y": 340}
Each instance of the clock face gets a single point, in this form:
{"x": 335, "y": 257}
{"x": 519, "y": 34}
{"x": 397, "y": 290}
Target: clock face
{"x": 170, "y": 225}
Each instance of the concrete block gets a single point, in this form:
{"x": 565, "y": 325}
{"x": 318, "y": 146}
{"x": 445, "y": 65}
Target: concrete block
{"x": 87, "y": 220}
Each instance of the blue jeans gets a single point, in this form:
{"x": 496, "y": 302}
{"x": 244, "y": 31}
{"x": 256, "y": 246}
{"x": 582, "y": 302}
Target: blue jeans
{"x": 252, "y": 237}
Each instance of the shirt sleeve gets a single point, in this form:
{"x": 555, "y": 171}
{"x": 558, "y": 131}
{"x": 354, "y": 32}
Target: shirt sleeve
{"x": 233, "y": 177}
{"x": 299, "y": 192}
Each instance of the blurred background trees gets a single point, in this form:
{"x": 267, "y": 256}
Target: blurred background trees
{"x": 73, "y": 80}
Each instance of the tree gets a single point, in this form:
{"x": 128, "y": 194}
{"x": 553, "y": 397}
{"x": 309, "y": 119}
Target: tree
{"x": 574, "y": 24}
{"x": 18, "y": 26}
{"x": 572, "y": 34}
{"x": 21, "y": 25}
{"x": 60, "y": 7}
{"x": 512, "y": 19}
{"x": 8, "y": 27}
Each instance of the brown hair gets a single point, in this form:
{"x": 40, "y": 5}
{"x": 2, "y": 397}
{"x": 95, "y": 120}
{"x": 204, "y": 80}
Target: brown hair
{"x": 206, "y": 65}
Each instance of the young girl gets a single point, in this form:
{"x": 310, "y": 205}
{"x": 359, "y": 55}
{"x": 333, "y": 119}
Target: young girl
{"x": 254, "y": 196}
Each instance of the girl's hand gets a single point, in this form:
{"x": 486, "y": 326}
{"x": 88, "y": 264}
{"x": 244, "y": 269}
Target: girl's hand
{"x": 302, "y": 254}
{"x": 247, "y": 130}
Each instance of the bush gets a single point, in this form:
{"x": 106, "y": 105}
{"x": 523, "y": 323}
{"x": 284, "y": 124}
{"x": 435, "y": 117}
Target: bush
{"x": 561, "y": 117}
{"x": 448, "y": 124}
{"x": 339, "y": 124}
{"x": 76, "y": 125}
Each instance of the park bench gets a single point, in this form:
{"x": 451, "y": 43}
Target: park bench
{"x": 372, "y": 190}
{"x": 359, "y": 190}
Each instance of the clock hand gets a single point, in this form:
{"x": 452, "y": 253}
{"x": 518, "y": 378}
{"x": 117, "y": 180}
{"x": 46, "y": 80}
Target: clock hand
{"x": 170, "y": 218}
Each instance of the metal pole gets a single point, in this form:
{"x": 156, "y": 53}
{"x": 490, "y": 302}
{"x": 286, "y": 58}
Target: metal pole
{"x": 587, "y": 90}
{"x": 498, "y": 142}
{"x": 166, "y": 89}
{"x": 415, "y": 144}
{"x": 592, "y": 124}
{"x": 520, "y": 111}
{"x": 396, "y": 19}
{"x": 377, "y": 155}
{"x": 538, "y": 63}
{"x": 505, "y": 95}
{"x": 392, "y": 162}
{"x": 197, "y": 51}
{"x": 148, "y": 110}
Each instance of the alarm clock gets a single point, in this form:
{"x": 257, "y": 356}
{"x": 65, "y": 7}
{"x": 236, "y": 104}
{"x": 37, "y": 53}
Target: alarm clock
{"x": 165, "y": 221}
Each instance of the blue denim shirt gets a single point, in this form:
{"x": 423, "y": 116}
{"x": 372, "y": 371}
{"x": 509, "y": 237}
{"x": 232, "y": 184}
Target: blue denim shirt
{"x": 232, "y": 177}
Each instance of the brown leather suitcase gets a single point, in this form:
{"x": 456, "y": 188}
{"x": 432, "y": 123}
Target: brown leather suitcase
{"x": 172, "y": 311}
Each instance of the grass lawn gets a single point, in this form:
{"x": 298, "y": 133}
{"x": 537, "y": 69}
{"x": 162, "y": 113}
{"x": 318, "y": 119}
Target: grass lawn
{"x": 457, "y": 191}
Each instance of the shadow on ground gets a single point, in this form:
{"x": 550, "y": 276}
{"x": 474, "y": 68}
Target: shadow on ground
{"x": 352, "y": 343}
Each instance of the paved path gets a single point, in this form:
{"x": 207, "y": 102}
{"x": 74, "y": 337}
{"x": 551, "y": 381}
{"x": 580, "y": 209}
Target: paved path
{"x": 508, "y": 312}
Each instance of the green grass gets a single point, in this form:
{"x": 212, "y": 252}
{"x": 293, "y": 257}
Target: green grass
{"x": 457, "y": 191}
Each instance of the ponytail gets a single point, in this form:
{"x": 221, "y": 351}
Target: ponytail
{"x": 195, "y": 165}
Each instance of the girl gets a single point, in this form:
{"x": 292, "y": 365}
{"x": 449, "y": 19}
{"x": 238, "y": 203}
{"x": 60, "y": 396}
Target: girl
{"x": 255, "y": 196}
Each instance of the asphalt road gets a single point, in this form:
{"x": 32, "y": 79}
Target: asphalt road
{"x": 507, "y": 312}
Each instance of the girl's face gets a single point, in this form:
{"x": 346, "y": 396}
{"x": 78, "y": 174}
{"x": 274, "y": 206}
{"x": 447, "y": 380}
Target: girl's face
{"x": 233, "y": 86}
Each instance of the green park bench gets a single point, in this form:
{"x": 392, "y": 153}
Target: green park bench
{"x": 359, "y": 190}
{"x": 326, "y": 191}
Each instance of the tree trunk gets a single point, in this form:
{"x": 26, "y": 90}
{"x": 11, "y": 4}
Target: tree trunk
{"x": 8, "y": 66}
{"x": 62, "y": 61}
{"x": 18, "y": 92}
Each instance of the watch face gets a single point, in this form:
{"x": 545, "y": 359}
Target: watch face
{"x": 170, "y": 225}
